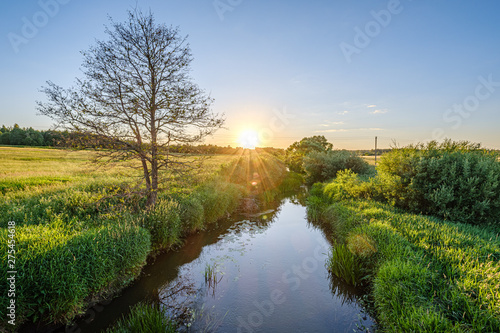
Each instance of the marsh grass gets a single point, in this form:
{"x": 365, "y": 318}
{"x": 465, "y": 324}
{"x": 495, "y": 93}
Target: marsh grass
{"x": 211, "y": 274}
{"x": 352, "y": 261}
{"x": 345, "y": 264}
{"x": 145, "y": 318}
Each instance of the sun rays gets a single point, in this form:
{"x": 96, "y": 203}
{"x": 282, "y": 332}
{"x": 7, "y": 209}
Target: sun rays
{"x": 248, "y": 139}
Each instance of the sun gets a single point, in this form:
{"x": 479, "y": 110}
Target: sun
{"x": 249, "y": 139}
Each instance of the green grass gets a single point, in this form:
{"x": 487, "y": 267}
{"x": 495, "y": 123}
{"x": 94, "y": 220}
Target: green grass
{"x": 343, "y": 263}
{"x": 82, "y": 233}
{"x": 58, "y": 268}
{"x": 426, "y": 274}
{"x": 145, "y": 318}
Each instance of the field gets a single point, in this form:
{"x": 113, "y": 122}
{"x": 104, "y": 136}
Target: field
{"x": 83, "y": 233}
{"x": 370, "y": 159}
{"x": 43, "y": 169}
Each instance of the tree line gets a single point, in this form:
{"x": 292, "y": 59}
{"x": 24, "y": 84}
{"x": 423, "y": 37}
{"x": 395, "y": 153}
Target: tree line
{"x": 27, "y": 136}
{"x": 22, "y": 136}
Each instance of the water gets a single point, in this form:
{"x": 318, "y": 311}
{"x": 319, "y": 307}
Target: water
{"x": 270, "y": 276}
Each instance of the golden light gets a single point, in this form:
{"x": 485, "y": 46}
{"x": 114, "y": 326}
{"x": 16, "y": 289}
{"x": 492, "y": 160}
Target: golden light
{"x": 248, "y": 139}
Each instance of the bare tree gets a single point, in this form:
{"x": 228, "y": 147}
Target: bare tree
{"x": 136, "y": 97}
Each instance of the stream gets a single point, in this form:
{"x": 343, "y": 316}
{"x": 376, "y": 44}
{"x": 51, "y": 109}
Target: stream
{"x": 250, "y": 273}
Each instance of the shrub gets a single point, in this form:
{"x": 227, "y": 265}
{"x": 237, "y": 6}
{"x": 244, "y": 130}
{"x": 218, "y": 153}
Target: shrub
{"x": 322, "y": 166}
{"x": 454, "y": 180}
{"x": 291, "y": 182}
{"x": 296, "y": 151}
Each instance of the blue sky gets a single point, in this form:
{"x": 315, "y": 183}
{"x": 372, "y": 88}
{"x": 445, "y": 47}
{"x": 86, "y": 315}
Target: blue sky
{"x": 404, "y": 71}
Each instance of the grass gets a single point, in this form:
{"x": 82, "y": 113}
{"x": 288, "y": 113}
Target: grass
{"x": 426, "y": 274}
{"x": 145, "y": 318}
{"x": 211, "y": 275}
{"x": 82, "y": 233}
{"x": 370, "y": 159}
{"x": 344, "y": 264}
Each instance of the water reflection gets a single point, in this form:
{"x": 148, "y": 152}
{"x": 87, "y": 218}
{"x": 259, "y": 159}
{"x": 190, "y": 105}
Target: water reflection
{"x": 271, "y": 277}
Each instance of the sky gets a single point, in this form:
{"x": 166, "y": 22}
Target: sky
{"x": 405, "y": 71}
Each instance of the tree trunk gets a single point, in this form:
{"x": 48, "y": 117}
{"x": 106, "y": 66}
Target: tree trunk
{"x": 153, "y": 193}
{"x": 147, "y": 177}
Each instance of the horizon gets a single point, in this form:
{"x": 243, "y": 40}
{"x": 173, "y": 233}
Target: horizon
{"x": 288, "y": 70}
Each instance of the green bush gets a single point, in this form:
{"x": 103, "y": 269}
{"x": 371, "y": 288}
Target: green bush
{"x": 291, "y": 182}
{"x": 323, "y": 166}
{"x": 145, "y": 318}
{"x": 454, "y": 180}
{"x": 296, "y": 151}
{"x": 348, "y": 184}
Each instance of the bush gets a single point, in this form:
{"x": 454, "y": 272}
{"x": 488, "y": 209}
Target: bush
{"x": 296, "y": 151}
{"x": 323, "y": 166}
{"x": 291, "y": 183}
{"x": 454, "y": 180}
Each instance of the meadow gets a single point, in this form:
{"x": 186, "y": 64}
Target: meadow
{"x": 83, "y": 233}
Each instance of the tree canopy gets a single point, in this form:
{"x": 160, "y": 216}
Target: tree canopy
{"x": 136, "y": 96}
{"x": 296, "y": 151}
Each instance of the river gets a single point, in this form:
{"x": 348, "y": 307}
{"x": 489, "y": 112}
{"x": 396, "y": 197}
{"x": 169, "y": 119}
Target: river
{"x": 266, "y": 274}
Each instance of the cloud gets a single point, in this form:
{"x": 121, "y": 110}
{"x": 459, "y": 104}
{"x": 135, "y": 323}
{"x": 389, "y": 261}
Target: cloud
{"x": 342, "y": 113}
{"x": 330, "y": 123}
{"x": 332, "y": 131}
{"x": 380, "y": 111}
{"x": 350, "y": 130}
{"x": 371, "y": 106}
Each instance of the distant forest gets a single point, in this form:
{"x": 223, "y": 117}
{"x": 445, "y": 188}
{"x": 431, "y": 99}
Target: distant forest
{"x": 17, "y": 136}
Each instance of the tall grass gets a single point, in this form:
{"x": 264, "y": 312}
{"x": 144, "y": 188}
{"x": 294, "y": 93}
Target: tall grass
{"x": 59, "y": 268}
{"x": 344, "y": 264}
{"x": 427, "y": 275}
{"x": 145, "y": 318}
